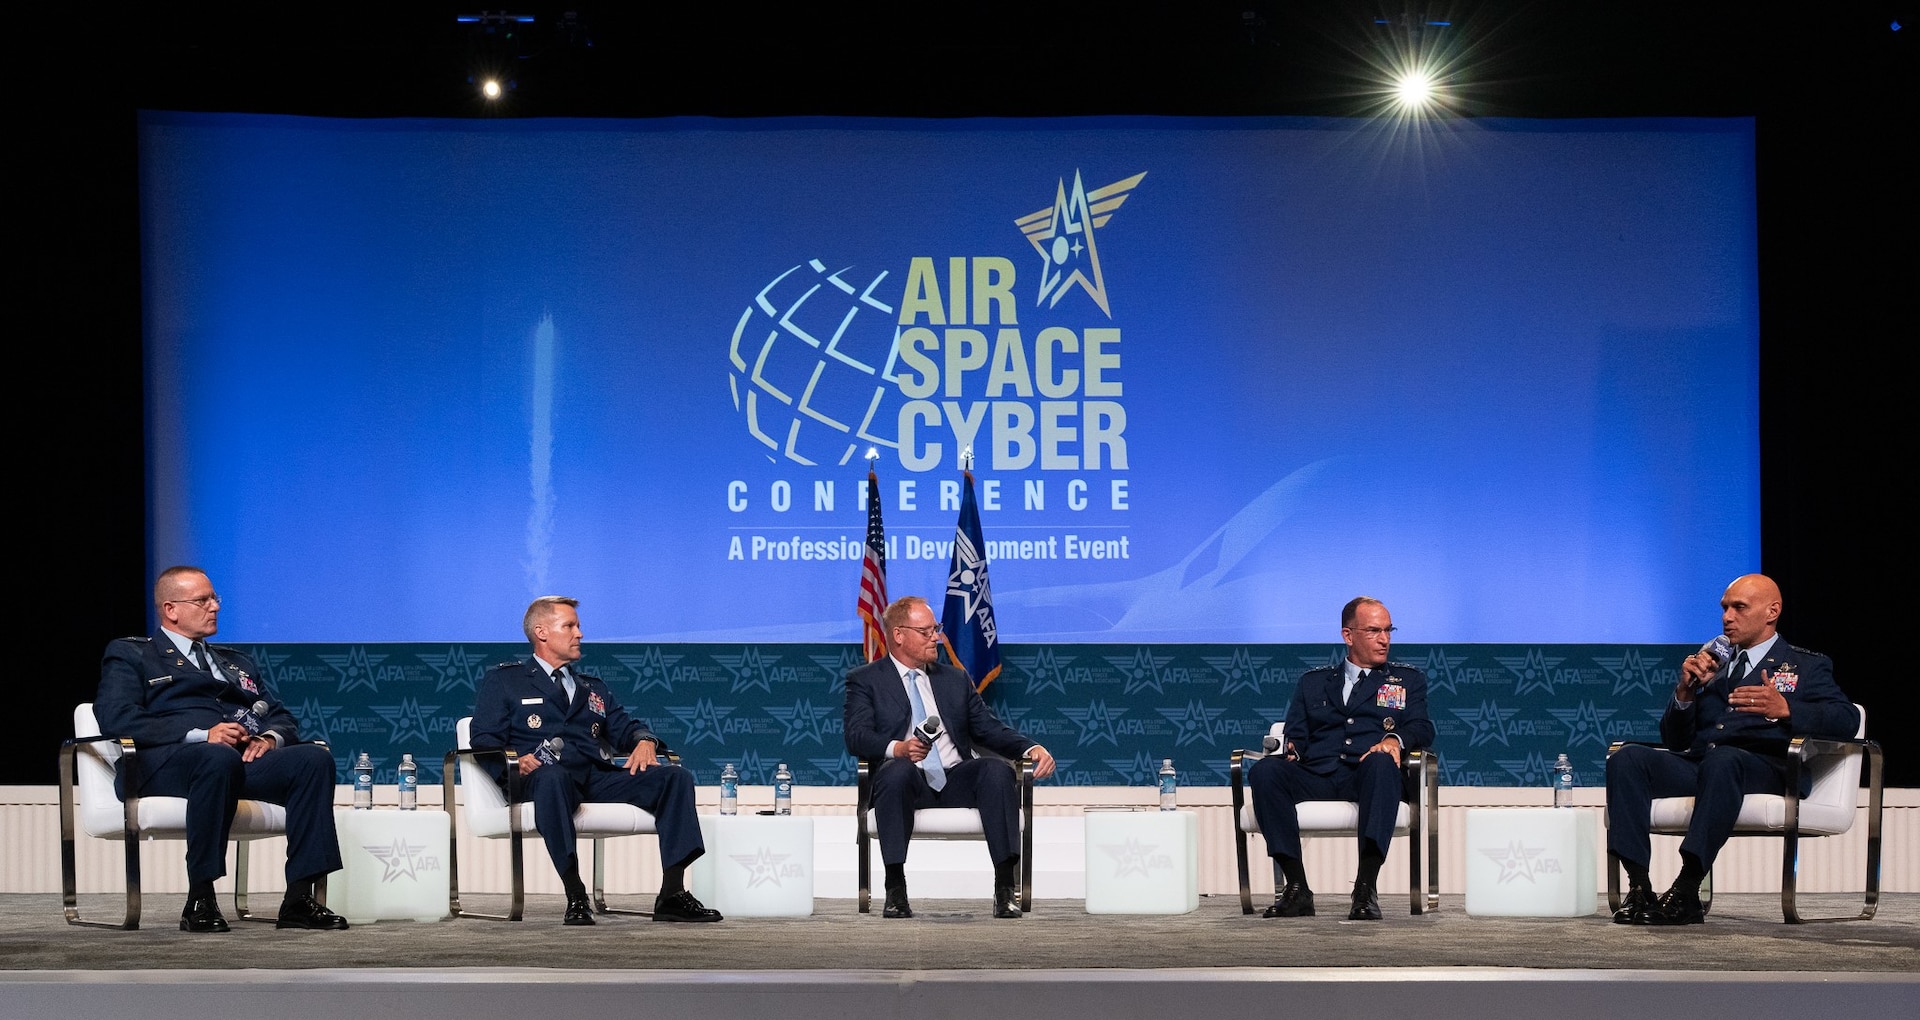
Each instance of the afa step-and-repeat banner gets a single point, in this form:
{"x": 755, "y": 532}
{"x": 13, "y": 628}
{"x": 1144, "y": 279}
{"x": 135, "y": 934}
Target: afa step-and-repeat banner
{"x": 1109, "y": 712}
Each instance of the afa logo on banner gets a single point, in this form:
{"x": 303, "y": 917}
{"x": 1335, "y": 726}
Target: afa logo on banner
{"x": 1109, "y": 713}
{"x": 1016, "y": 362}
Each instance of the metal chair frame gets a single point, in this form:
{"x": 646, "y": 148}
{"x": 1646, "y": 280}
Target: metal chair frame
{"x": 517, "y": 830}
{"x": 1420, "y": 772}
{"x": 132, "y": 833}
{"x": 1802, "y": 752}
{"x": 863, "y": 806}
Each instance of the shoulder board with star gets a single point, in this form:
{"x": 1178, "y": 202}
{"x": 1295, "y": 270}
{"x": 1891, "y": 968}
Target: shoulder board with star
{"x": 505, "y": 665}
{"x": 1402, "y": 665}
{"x": 139, "y": 639}
{"x": 1319, "y": 669}
{"x": 1806, "y": 651}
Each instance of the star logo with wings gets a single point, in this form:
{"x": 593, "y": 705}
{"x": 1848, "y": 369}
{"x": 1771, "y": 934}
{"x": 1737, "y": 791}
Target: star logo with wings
{"x": 1063, "y": 235}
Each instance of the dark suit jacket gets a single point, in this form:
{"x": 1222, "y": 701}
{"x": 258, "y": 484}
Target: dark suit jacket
{"x": 878, "y": 712}
{"x": 1325, "y": 732}
{"x": 519, "y": 706}
{"x": 152, "y": 693}
{"x": 1820, "y": 709}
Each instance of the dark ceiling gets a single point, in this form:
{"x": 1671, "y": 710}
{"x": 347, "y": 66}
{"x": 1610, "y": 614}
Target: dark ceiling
{"x": 1539, "y": 58}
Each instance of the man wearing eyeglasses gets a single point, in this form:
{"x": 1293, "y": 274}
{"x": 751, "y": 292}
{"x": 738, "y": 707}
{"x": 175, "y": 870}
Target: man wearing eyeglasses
{"x": 1345, "y": 732}
{"x": 888, "y": 703}
{"x": 206, "y": 728}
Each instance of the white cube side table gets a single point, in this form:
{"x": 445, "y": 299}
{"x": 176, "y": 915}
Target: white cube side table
{"x": 1142, "y": 862}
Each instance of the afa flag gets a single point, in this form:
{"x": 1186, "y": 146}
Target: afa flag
{"x": 873, "y": 578}
{"x": 972, "y": 639}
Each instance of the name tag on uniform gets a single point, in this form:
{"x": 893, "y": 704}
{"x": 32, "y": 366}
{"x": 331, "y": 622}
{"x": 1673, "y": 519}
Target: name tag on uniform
{"x": 158, "y": 680}
{"x": 1391, "y": 696}
{"x": 1786, "y": 681}
{"x": 533, "y": 701}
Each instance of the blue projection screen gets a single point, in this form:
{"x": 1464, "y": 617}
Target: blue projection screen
{"x": 1218, "y": 376}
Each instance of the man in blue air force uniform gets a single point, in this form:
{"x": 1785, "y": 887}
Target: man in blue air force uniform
{"x": 1345, "y": 731}
{"x": 522, "y": 706}
{"x": 189, "y": 707}
{"x": 886, "y": 700}
{"x": 1731, "y": 723}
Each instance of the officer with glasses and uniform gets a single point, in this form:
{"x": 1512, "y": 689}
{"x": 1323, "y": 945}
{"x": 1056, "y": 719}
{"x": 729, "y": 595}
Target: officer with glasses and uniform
{"x": 1345, "y": 731}
{"x": 206, "y": 728}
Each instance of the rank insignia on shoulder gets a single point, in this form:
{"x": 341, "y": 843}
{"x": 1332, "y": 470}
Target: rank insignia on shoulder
{"x": 1391, "y": 696}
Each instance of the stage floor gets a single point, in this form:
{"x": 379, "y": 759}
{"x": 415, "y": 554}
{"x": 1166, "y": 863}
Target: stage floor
{"x": 1744, "y": 933}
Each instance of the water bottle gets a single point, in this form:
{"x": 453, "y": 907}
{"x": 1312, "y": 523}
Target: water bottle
{"x": 1562, "y": 782}
{"x": 729, "y": 790}
{"x": 782, "y": 790}
{"x": 363, "y": 782}
{"x": 1168, "y": 783}
{"x": 409, "y": 783}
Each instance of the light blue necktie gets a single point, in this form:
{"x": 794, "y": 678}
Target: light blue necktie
{"x": 931, "y": 764}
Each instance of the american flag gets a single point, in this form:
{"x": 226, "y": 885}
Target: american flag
{"x": 873, "y": 577}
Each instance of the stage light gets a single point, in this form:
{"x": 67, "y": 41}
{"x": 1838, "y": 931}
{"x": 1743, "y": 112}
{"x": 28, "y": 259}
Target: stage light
{"x": 1414, "y": 90}
{"x": 490, "y": 88}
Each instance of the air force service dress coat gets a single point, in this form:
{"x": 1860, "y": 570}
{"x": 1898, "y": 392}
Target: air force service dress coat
{"x": 154, "y": 694}
{"x": 1723, "y": 755}
{"x": 1328, "y": 737}
{"x": 520, "y": 706}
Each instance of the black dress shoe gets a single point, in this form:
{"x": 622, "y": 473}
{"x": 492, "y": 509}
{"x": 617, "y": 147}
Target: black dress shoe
{"x": 681, "y": 906}
{"x": 202, "y": 915}
{"x": 579, "y": 911}
{"x": 1638, "y": 902}
{"x": 897, "y": 905}
{"x": 1003, "y": 902}
{"x": 1294, "y": 900}
{"x": 307, "y": 912}
{"x": 1678, "y": 906}
{"x": 1366, "y": 904}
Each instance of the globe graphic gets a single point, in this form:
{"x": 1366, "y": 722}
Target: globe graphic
{"x": 811, "y": 363}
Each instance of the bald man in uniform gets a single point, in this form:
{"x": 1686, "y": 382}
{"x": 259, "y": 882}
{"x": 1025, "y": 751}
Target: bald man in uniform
{"x": 1730, "y": 723}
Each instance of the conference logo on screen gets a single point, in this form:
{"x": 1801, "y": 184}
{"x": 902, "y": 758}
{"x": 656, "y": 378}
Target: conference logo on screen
{"x": 1008, "y": 356}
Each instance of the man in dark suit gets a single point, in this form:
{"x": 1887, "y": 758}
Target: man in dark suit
{"x": 523, "y": 706}
{"x": 1731, "y": 722}
{"x": 1345, "y": 731}
{"x": 206, "y": 728}
{"x": 886, "y": 700}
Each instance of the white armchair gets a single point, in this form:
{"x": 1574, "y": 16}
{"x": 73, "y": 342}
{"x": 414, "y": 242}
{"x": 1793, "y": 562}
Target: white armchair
{"x": 1828, "y": 809}
{"x": 1417, "y": 820}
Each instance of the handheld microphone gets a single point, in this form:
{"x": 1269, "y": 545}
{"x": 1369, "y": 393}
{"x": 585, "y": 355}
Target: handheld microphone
{"x": 548, "y": 753}
{"x": 1719, "y": 650}
{"x": 253, "y": 720}
{"x": 1269, "y": 744}
{"x": 929, "y": 730}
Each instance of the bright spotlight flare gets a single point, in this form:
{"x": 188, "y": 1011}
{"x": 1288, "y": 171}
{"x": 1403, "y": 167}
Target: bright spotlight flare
{"x": 490, "y": 88}
{"x": 1414, "y": 90}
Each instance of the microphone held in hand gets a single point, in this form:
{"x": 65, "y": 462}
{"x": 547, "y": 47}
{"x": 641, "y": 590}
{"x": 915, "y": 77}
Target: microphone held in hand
{"x": 1720, "y": 648}
{"x": 548, "y": 753}
{"x": 253, "y": 720}
{"x": 929, "y": 730}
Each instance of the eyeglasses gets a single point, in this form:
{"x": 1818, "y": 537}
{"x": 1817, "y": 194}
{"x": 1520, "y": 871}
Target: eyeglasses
{"x": 1373, "y": 632}
{"x": 926, "y": 632}
{"x": 210, "y": 598}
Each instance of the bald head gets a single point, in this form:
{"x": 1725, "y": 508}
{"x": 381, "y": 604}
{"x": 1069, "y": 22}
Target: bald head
{"x": 1750, "y": 610}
